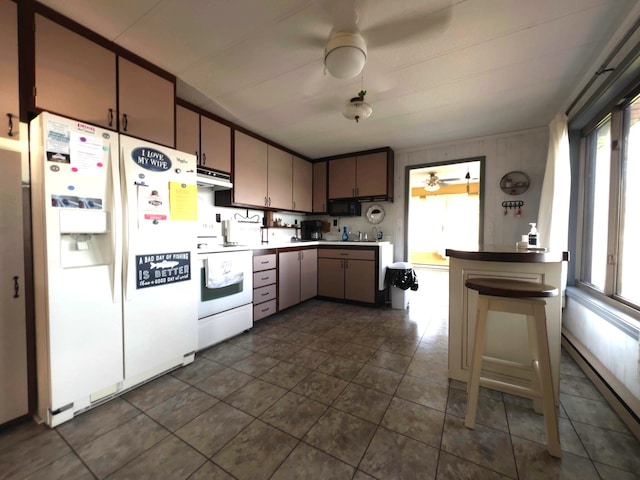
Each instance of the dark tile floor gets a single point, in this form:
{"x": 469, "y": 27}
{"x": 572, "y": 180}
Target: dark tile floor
{"x": 327, "y": 391}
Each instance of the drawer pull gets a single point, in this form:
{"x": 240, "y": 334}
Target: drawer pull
{"x": 264, "y": 310}
{"x": 345, "y": 254}
{"x": 264, "y": 278}
{"x": 264, "y": 262}
{"x": 265, "y": 294}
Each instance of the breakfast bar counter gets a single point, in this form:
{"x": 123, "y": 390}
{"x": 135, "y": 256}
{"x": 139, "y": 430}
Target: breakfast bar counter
{"x": 505, "y": 338}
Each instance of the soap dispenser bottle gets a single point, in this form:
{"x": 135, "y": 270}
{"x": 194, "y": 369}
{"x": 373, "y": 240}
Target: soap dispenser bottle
{"x": 533, "y": 236}
{"x": 345, "y": 235}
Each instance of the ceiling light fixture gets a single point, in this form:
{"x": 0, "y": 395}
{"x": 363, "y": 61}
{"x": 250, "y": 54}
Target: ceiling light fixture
{"x": 432, "y": 184}
{"x": 345, "y": 54}
{"x": 357, "y": 109}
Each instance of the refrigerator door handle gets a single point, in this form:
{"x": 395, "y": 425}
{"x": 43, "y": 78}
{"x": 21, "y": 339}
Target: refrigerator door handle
{"x": 126, "y": 213}
{"x": 116, "y": 225}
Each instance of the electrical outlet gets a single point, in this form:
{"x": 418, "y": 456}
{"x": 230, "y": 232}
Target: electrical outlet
{"x": 335, "y": 222}
{"x": 218, "y": 218}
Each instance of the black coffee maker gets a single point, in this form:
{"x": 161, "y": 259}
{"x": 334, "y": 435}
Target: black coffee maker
{"x": 311, "y": 229}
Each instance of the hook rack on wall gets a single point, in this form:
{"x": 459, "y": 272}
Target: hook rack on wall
{"x": 517, "y": 204}
{"x": 513, "y": 204}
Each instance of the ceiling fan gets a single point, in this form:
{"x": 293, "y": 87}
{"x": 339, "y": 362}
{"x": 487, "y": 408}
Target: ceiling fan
{"x": 346, "y": 50}
{"x": 433, "y": 182}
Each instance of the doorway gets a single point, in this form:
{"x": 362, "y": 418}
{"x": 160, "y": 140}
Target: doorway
{"x": 443, "y": 210}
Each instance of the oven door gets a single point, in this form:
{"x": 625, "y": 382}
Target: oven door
{"x": 226, "y": 281}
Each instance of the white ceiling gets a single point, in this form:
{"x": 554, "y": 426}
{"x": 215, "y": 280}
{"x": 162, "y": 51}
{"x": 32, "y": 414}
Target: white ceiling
{"x": 437, "y": 70}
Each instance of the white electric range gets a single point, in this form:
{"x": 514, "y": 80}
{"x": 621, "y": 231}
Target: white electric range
{"x": 225, "y": 308}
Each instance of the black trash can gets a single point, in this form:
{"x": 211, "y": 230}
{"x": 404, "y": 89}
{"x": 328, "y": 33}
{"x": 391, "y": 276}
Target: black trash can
{"x": 400, "y": 277}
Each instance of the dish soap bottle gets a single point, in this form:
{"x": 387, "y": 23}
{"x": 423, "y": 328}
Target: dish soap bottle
{"x": 345, "y": 235}
{"x": 533, "y": 236}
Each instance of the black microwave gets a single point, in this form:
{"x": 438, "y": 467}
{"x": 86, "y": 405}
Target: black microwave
{"x": 345, "y": 208}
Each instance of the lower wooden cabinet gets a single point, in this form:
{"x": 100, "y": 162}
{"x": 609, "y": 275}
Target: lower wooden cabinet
{"x": 347, "y": 274}
{"x": 297, "y": 276}
{"x": 264, "y": 286}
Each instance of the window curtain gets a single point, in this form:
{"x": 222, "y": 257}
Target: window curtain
{"x": 553, "y": 214}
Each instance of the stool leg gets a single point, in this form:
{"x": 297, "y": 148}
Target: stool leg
{"x": 473, "y": 385}
{"x": 534, "y": 356}
{"x": 548, "y": 402}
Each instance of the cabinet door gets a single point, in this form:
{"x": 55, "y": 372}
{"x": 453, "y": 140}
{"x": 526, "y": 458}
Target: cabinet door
{"x": 280, "y": 179}
{"x": 342, "y": 177}
{"x": 308, "y": 274}
{"x": 145, "y": 104}
{"x": 371, "y": 175}
{"x": 250, "y": 171}
{"x": 187, "y": 131}
{"x": 302, "y": 185}
{"x": 288, "y": 279}
{"x": 360, "y": 280}
{"x": 215, "y": 142}
{"x": 13, "y": 337}
{"x": 330, "y": 277}
{"x": 9, "y": 104}
{"x": 75, "y": 77}
{"x": 320, "y": 187}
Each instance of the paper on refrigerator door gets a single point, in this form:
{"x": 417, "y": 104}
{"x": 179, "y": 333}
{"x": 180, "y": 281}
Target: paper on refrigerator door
{"x": 183, "y": 201}
{"x": 87, "y": 153}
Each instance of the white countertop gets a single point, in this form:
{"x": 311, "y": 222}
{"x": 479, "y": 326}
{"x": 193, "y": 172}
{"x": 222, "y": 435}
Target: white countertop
{"x": 385, "y": 250}
{"x": 289, "y": 244}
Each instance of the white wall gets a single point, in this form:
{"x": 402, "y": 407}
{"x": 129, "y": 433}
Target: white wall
{"x": 524, "y": 150}
{"x": 608, "y": 340}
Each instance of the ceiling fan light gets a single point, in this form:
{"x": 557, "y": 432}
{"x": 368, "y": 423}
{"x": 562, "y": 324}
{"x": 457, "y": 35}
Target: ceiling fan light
{"x": 345, "y": 55}
{"x": 432, "y": 188}
{"x": 357, "y": 109}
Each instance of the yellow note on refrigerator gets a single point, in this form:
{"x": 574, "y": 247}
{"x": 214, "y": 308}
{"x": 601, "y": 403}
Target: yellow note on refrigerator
{"x": 183, "y": 201}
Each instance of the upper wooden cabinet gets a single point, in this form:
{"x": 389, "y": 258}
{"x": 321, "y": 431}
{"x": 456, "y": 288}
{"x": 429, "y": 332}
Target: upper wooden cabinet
{"x": 263, "y": 176}
{"x": 146, "y": 103}
{"x": 9, "y": 103}
{"x": 342, "y": 178}
{"x": 75, "y": 77}
{"x": 249, "y": 171}
{"x": 187, "y": 131}
{"x": 362, "y": 176}
{"x": 208, "y": 139}
{"x": 302, "y": 185}
{"x": 320, "y": 187}
{"x": 279, "y": 178}
{"x": 215, "y": 145}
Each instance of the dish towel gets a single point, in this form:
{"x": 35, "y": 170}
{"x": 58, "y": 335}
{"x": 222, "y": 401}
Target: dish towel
{"x": 221, "y": 273}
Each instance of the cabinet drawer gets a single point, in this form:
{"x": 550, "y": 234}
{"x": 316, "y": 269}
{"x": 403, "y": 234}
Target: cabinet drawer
{"x": 264, "y": 262}
{"x": 266, "y": 277}
{"x": 347, "y": 253}
{"x": 264, "y": 294}
{"x": 264, "y": 310}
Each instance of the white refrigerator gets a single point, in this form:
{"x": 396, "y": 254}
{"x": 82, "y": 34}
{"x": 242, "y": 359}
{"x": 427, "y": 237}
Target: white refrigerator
{"x": 114, "y": 235}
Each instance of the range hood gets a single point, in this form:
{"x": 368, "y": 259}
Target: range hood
{"x": 213, "y": 180}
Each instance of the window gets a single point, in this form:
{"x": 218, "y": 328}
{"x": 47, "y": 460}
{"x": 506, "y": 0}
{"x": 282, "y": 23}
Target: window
{"x": 611, "y": 221}
{"x": 628, "y": 283}
{"x": 598, "y": 158}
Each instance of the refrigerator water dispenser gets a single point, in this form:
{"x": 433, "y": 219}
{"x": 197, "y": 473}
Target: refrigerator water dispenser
{"x": 84, "y": 238}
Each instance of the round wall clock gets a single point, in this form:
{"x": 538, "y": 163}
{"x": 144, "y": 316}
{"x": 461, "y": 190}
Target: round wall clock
{"x": 514, "y": 183}
{"x": 375, "y": 214}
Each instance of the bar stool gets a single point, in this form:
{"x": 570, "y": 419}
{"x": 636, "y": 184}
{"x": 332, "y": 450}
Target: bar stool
{"x": 524, "y": 298}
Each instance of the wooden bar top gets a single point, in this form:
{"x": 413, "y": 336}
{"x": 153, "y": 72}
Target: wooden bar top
{"x": 506, "y": 253}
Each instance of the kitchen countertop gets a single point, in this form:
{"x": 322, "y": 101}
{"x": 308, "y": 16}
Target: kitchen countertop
{"x": 385, "y": 250}
{"x": 506, "y": 253}
{"x": 301, "y": 243}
